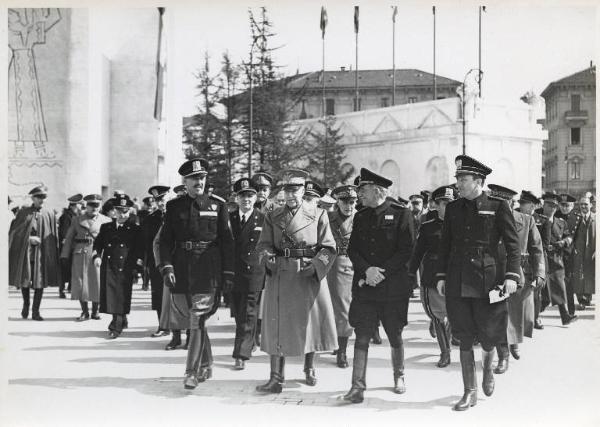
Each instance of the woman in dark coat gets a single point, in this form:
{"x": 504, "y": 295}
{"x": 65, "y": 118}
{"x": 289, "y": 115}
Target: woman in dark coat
{"x": 118, "y": 251}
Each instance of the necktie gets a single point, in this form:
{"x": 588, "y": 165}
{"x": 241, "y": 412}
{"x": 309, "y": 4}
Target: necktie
{"x": 243, "y": 221}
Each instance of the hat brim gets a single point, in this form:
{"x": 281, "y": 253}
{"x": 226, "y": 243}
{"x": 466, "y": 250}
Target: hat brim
{"x": 284, "y": 186}
{"x": 467, "y": 172}
{"x": 95, "y": 204}
{"x": 202, "y": 174}
{"x": 40, "y": 195}
{"x": 551, "y": 202}
{"x": 246, "y": 190}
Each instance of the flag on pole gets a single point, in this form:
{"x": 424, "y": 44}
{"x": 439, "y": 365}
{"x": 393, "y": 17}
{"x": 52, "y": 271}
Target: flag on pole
{"x": 394, "y": 13}
{"x": 433, "y": 8}
{"x": 356, "y": 19}
{"x": 323, "y": 21}
{"x": 161, "y": 66}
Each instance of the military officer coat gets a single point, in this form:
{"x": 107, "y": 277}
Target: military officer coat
{"x": 427, "y": 251}
{"x": 382, "y": 237}
{"x": 249, "y": 273}
{"x": 121, "y": 251}
{"x": 196, "y": 243}
{"x": 469, "y": 256}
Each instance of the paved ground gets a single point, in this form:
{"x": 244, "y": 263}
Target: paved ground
{"x": 62, "y": 373}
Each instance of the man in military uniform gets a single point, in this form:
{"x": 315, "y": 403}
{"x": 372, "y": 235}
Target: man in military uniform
{"x": 263, "y": 182}
{"x": 573, "y": 219}
{"x": 180, "y": 190}
{"x": 559, "y": 237}
{"x": 150, "y": 228}
{"x": 381, "y": 243}
{"x": 118, "y": 252}
{"x": 417, "y": 209}
{"x": 33, "y": 251}
{"x": 469, "y": 272}
{"x": 339, "y": 277}
{"x": 246, "y": 223}
{"x": 533, "y": 275}
{"x": 426, "y": 254}
{"x": 64, "y": 222}
{"x": 584, "y": 255}
{"x": 197, "y": 255}
{"x": 528, "y": 203}
{"x": 313, "y": 192}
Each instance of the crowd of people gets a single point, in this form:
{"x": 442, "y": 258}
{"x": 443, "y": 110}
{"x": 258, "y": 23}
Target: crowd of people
{"x": 303, "y": 268}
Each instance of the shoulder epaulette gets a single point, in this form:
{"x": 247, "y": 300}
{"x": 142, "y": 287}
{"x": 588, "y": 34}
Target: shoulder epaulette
{"x": 499, "y": 199}
{"x": 218, "y": 198}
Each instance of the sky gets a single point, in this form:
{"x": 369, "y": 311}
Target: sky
{"x": 526, "y": 45}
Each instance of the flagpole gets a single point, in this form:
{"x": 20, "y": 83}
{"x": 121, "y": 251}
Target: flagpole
{"x": 356, "y": 106}
{"x": 394, "y": 55}
{"x": 323, "y": 78}
{"x": 434, "y": 75}
{"x": 481, "y": 9}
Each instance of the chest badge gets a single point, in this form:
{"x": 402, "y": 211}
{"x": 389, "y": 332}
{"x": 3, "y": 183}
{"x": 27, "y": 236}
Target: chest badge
{"x": 213, "y": 207}
{"x": 389, "y": 217}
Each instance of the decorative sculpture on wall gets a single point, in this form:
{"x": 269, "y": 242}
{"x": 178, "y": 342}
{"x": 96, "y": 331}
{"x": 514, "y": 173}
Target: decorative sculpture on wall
{"x": 27, "y": 27}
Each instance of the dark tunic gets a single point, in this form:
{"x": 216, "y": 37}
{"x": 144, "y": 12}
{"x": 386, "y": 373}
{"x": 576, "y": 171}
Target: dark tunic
{"x": 584, "y": 257}
{"x": 470, "y": 263}
{"x": 203, "y": 223}
{"x": 64, "y": 222}
{"x": 557, "y": 238}
{"x": 121, "y": 252}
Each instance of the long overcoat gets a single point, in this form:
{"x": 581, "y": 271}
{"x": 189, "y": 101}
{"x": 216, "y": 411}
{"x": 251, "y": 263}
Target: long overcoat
{"x": 340, "y": 276}
{"x": 79, "y": 243}
{"x": 584, "y": 257}
{"x": 297, "y": 313}
{"x": 558, "y": 237}
{"x": 121, "y": 250}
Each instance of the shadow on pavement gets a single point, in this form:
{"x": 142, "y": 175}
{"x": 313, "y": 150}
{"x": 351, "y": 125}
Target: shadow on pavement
{"x": 237, "y": 392}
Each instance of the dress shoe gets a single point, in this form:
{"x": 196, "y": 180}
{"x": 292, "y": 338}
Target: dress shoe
{"x": 568, "y": 320}
{"x": 205, "y": 374}
{"x": 95, "y": 316}
{"x": 190, "y": 382}
{"x": 112, "y": 335}
{"x": 399, "y": 385}
{"x": 274, "y": 385}
{"x": 310, "y": 377}
{"x": 580, "y": 307}
{"x": 538, "y": 324}
{"x": 239, "y": 364}
{"x": 341, "y": 360}
{"x": 159, "y": 333}
{"x": 62, "y": 295}
{"x": 36, "y": 316}
{"x": 502, "y": 365}
{"x": 173, "y": 344}
{"x": 514, "y": 350}
{"x": 355, "y": 395}
{"x": 83, "y": 316}
{"x": 25, "y": 312}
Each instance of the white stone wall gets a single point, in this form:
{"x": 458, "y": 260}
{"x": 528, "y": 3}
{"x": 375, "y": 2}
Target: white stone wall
{"x": 415, "y": 144}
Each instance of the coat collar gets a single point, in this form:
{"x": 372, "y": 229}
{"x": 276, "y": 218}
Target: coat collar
{"x": 304, "y": 216}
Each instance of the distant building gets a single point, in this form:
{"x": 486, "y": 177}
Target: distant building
{"x": 375, "y": 90}
{"x": 570, "y": 153}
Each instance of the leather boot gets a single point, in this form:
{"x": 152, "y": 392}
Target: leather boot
{"x": 502, "y": 366}
{"x": 26, "y": 301}
{"x": 194, "y": 355}
{"x": 398, "y": 366}
{"x": 95, "y": 315}
{"x": 175, "y": 340}
{"x": 37, "y": 300}
{"x": 565, "y": 317}
{"x": 275, "y": 383}
{"x": 85, "y": 314}
{"x": 443, "y": 339}
{"x": 467, "y": 364}
{"x": 309, "y": 369}
{"x": 488, "y": 374}
{"x": 341, "y": 358}
{"x": 359, "y": 374}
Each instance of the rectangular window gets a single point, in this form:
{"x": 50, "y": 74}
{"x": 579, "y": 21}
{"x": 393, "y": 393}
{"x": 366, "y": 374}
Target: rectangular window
{"x": 385, "y": 102}
{"x": 575, "y": 170}
{"x": 412, "y": 99}
{"x": 359, "y": 104}
{"x": 330, "y": 107}
{"x": 575, "y": 136}
{"x": 575, "y": 102}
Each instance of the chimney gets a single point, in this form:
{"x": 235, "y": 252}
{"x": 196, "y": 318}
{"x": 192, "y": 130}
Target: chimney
{"x": 343, "y": 68}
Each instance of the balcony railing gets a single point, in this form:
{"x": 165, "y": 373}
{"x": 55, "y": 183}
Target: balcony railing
{"x": 576, "y": 116}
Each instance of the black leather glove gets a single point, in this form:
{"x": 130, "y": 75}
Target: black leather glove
{"x": 169, "y": 277}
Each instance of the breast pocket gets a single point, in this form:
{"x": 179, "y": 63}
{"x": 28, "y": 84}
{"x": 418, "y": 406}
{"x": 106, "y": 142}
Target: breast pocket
{"x": 484, "y": 269}
{"x": 208, "y": 221}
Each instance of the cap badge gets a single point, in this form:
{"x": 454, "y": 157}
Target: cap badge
{"x": 155, "y": 192}
{"x": 196, "y": 166}
{"x": 309, "y": 186}
{"x": 123, "y": 202}
{"x": 449, "y": 193}
{"x": 245, "y": 184}
{"x": 459, "y": 163}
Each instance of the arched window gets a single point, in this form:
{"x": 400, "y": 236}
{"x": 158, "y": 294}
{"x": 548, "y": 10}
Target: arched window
{"x": 437, "y": 172}
{"x": 390, "y": 170}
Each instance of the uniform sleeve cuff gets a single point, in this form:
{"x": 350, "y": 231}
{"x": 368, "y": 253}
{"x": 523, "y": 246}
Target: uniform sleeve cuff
{"x": 165, "y": 269}
{"x": 229, "y": 273}
{"x": 441, "y": 275}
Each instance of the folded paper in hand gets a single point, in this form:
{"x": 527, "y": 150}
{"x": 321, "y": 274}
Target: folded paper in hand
{"x": 498, "y": 294}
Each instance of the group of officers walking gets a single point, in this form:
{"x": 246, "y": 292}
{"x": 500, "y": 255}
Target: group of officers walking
{"x": 302, "y": 275}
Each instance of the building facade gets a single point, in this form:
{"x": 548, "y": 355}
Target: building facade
{"x": 570, "y": 152}
{"x": 375, "y": 90}
{"x": 415, "y": 144}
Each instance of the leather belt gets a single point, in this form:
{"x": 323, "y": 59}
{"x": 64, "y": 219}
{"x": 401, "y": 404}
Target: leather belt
{"x": 296, "y": 253}
{"x": 191, "y": 245}
{"x": 86, "y": 240}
